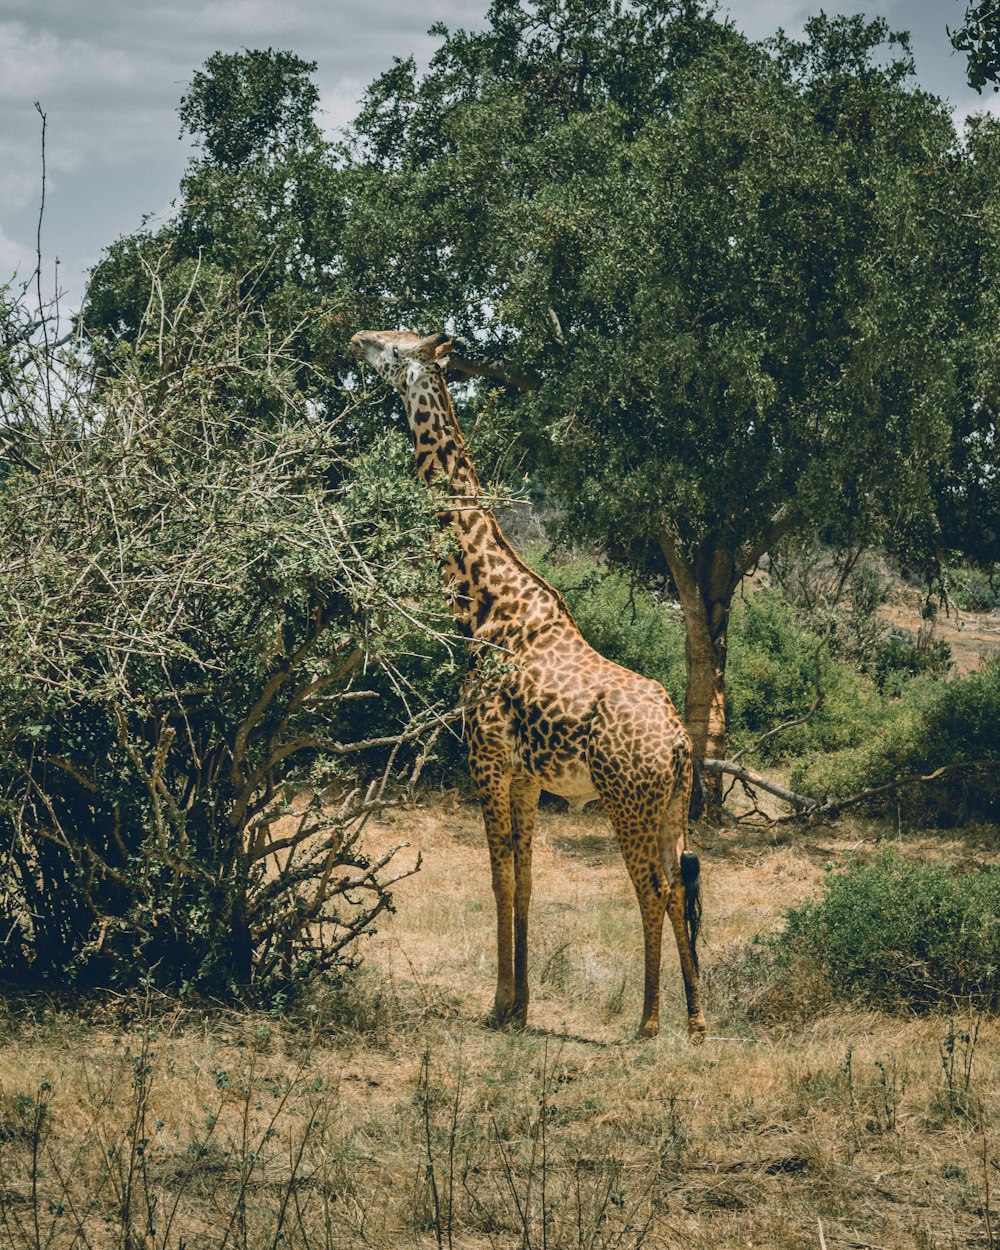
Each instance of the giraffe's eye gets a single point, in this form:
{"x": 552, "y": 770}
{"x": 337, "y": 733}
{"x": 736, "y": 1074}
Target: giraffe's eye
{"x": 395, "y": 353}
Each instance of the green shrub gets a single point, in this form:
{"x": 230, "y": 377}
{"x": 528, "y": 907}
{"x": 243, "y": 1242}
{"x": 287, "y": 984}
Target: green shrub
{"x": 897, "y": 657}
{"x": 933, "y": 724}
{"x": 771, "y": 678}
{"x": 972, "y": 589}
{"x": 197, "y": 582}
{"x": 893, "y": 934}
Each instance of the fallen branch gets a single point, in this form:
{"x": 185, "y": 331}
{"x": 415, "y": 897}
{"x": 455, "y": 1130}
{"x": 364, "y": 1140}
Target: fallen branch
{"x": 806, "y": 806}
{"x": 749, "y": 777}
{"x": 912, "y": 779}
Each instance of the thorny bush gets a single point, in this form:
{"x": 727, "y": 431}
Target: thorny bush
{"x": 197, "y": 580}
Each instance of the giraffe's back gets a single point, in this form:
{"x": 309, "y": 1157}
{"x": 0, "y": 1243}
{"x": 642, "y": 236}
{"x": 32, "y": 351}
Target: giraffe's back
{"x": 581, "y": 725}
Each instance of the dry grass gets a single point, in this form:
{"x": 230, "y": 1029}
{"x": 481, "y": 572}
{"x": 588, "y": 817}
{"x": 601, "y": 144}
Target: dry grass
{"x": 389, "y": 1116}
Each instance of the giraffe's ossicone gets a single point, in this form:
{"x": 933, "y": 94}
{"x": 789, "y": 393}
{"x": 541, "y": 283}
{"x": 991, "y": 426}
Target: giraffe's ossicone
{"x": 557, "y": 716}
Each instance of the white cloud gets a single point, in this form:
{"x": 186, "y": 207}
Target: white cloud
{"x": 17, "y": 259}
{"x": 33, "y": 63}
{"x": 988, "y": 103}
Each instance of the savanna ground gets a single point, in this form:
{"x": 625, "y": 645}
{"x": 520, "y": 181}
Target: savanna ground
{"x": 388, "y": 1115}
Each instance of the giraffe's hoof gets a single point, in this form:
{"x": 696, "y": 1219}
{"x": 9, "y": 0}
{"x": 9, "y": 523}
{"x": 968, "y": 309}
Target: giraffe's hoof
{"x": 697, "y": 1030}
{"x": 507, "y": 1018}
{"x": 648, "y": 1029}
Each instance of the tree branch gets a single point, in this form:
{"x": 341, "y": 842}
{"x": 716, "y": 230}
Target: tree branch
{"x": 749, "y": 777}
{"x": 463, "y": 368}
{"x": 780, "y": 524}
{"x": 806, "y": 806}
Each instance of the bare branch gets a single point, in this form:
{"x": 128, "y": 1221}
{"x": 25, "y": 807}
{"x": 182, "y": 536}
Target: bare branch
{"x": 750, "y": 777}
{"x": 806, "y": 806}
{"x": 462, "y": 368}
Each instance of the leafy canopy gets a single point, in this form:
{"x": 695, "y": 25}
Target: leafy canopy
{"x": 726, "y": 263}
{"x": 247, "y": 106}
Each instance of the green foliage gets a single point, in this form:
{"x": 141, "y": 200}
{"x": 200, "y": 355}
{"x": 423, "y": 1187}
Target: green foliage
{"x": 933, "y": 724}
{"x": 755, "y": 324}
{"x": 979, "y": 38}
{"x": 898, "y": 935}
{"x": 248, "y": 105}
{"x": 776, "y": 670}
{"x": 195, "y": 582}
{"x": 973, "y": 589}
{"x": 789, "y": 319}
{"x": 898, "y": 656}
{"x": 783, "y": 322}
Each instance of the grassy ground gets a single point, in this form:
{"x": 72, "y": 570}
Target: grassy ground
{"x": 389, "y": 1116}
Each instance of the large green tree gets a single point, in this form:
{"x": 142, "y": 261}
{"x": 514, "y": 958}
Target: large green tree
{"x": 757, "y": 283}
{"x": 727, "y": 262}
{"x": 261, "y": 202}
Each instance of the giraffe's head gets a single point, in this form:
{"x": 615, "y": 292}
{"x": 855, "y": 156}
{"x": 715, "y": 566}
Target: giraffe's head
{"x": 399, "y": 357}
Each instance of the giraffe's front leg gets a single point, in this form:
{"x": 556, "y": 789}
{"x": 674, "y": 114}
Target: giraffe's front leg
{"x": 524, "y": 806}
{"x": 494, "y": 799}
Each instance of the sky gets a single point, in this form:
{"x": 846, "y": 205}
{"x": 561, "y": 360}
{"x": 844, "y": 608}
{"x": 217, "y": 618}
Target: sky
{"x": 109, "y": 75}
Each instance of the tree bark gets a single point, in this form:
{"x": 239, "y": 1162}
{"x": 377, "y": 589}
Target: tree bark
{"x": 705, "y": 693}
{"x": 706, "y": 595}
{"x": 706, "y": 581}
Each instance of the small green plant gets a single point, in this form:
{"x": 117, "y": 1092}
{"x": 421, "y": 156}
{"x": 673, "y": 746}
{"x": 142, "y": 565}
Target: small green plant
{"x": 897, "y": 935}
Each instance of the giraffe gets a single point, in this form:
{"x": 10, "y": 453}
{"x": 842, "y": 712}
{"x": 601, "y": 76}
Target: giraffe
{"x": 555, "y": 715}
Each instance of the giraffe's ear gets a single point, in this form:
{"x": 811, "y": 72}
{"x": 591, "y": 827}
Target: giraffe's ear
{"x": 432, "y": 348}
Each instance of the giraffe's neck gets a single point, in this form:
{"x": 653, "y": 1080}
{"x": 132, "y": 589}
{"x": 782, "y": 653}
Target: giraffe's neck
{"x": 495, "y": 595}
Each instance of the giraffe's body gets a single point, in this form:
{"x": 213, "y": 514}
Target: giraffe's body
{"x": 554, "y": 715}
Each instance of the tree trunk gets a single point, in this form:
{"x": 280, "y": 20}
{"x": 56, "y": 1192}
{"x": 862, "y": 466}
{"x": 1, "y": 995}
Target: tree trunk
{"x": 706, "y": 594}
{"x": 705, "y": 693}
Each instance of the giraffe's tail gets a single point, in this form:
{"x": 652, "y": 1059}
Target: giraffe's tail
{"x": 697, "y": 803}
{"x": 691, "y": 878}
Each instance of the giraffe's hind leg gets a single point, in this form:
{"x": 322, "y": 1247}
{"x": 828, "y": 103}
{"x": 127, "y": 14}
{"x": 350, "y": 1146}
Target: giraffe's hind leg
{"x": 650, "y": 891}
{"x": 640, "y": 766}
{"x": 683, "y": 905}
{"x": 523, "y": 807}
{"x": 635, "y": 820}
